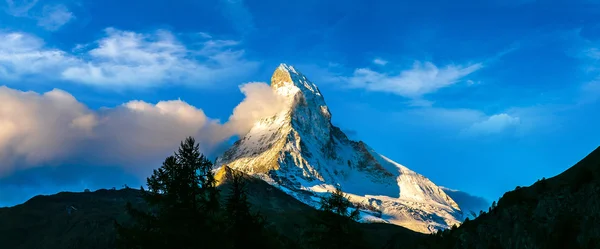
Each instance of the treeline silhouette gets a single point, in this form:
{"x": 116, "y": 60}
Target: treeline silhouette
{"x": 184, "y": 210}
{"x": 185, "y": 205}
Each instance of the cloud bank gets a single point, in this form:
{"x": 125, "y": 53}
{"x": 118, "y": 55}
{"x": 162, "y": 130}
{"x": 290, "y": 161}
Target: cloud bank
{"x": 54, "y": 128}
{"x": 124, "y": 59}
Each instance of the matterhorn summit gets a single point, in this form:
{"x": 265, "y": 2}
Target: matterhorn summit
{"x": 299, "y": 151}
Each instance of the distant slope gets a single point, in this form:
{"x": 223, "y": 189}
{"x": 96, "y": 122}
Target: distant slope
{"x": 560, "y": 212}
{"x": 468, "y": 203}
{"x": 43, "y": 222}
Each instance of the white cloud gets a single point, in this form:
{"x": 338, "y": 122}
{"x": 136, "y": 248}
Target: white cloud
{"x": 124, "y": 59}
{"x": 593, "y": 53}
{"x": 471, "y": 82}
{"x": 493, "y": 124}
{"x": 421, "y": 79}
{"x": 204, "y": 35}
{"x": 32, "y": 125}
{"x": 590, "y": 56}
{"x": 259, "y": 102}
{"x": 54, "y": 127}
{"x": 133, "y": 59}
{"x": 55, "y": 16}
{"x": 51, "y": 17}
{"x": 380, "y": 61}
{"x": 23, "y": 55}
{"x": 466, "y": 122}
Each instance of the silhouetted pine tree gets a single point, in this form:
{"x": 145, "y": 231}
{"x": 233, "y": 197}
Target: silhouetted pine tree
{"x": 245, "y": 229}
{"x": 335, "y": 226}
{"x": 183, "y": 205}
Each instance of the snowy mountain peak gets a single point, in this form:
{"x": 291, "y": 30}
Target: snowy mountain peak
{"x": 286, "y": 80}
{"x": 302, "y": 153}
{"x": 289, "y": 82}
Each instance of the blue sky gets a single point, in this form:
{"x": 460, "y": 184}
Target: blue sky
{"x": 479, "y": 96}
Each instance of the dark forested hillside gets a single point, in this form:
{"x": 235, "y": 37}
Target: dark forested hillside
{"x": 65, "y": 220}
{"x": 559, "y": 212}
{"x": 45, "y": 222}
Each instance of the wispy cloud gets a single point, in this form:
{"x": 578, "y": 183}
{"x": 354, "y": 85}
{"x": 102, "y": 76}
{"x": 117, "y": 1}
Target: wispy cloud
{"x": 414, "y": 83}
{"x": 20, "y": 8}
{"x": 589, "y": 56}
{"x": 592, "y": 86}
{"x": 494, "y": 124}
{"x": 23, "y": 55}
{"x": 590, "y": 91}
{"x": 380, "y": 61}
{"x": 124, "y": 59}
{"x": 238, "y": 14}
{"x": 471, "y": 82}
{"x": 51, "y": 17}
{"x": 593, "y": 53}
{"x": 55, "y": 16}
{"x": 465, "y": 122}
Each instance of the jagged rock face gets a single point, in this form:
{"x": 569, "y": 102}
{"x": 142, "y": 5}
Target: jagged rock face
{"x": 300, "y": 151}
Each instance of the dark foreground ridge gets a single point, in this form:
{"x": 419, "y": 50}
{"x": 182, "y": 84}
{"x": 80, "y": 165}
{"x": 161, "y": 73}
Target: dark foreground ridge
{"x": 45, "y": 222}
{"x": 559, "y": 212}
